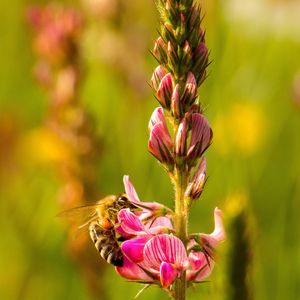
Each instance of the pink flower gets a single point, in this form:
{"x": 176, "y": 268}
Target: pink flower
{"x": 162, "y": 258}
{"x": 201, "y": 262}
{"x": 160, "y": 143}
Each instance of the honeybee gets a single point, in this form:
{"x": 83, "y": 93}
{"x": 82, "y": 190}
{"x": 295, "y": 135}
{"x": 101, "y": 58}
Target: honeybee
{"x": 102, "y": 221}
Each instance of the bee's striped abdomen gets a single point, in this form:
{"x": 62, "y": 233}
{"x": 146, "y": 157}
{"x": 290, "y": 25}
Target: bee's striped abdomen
{"x": 106, "y": 243}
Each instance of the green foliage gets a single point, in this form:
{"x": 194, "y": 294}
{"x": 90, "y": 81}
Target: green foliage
{"x": 248, "y": 100}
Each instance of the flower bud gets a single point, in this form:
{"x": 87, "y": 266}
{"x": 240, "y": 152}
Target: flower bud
{"x": 181, "y": 137}
{"x": 195, "y": 188}
{"x": 157, "y": 76}
{"x": 160, "y": 51}
{"x": 200, "y": 60}
{"x": 160, "y": 143}
{"x": 169, "y": 33}
{"x": 175, "y": 102}
{"x": 164, "y": 91}
{"x": 190, "y": 90}
{"x": 195, "y": 20}
{"x": 201, "y": 136}
{"x": 187, "y": 55}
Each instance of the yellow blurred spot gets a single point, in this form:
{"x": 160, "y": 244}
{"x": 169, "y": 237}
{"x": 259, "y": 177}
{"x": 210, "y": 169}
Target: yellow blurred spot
{"x": 42, "y": 145}
{"x": 242, "y": 128}
{"x": 235, "y": 203}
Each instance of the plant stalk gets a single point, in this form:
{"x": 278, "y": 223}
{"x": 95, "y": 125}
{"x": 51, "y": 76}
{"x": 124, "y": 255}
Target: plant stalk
{"x": 181, "y": 222}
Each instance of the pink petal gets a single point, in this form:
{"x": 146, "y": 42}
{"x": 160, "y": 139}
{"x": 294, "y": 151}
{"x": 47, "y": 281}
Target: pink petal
{"x": 152, "y": 207}
{"x": 133, "y": 248}
{"x": 196, "y": 186}
{"x": 132, "y": 271}
{"x": 200, "y": 267}
{"x": 160, "y": 143}
{"x": 175, "y": 102}
{"x": 129, "y": 222}
{"x": 159, "y": 225}
{"x": 201, "y": 136}
{"x": 165, "y": 90}
{"x": 130, "y": 190}
{"x": 218, "y": 235}
{"x": 157, "y": 76}
{"x": 165, "y": 248}
{"x": 190, "y": 90}
{"x": 167, "y": 274}
{"x": 157, "y": 116}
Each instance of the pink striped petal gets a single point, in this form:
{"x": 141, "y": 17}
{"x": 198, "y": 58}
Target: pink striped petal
{"x": 201, "y": 136}
{"x": 167, "y": 274}
{"x": 159, "y": 225}
{"x": 165, "y": 90}
{"x": 157, "y": 116}
{"x": 157, "y": 76}
{"x": 130, "y": 190}
{"x": 133, "y": 248}
{"x": 160, "y": 144}
{"x": 201, "y": 268}
{"x": 130, "y": 223}
{"x": 132, "y": 271}
{"x": 165, "y": 248}
{"x": 218, "y": 235}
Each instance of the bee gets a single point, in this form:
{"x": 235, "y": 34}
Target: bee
{"x": 102, "y": 221}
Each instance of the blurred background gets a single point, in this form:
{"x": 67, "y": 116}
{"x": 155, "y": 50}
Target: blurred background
{"x": 74, "y": 109}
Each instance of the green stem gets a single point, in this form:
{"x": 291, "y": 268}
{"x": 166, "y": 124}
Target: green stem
{"x": 181, "y": 222}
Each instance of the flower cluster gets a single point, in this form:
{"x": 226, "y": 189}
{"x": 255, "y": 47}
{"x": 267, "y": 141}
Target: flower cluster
{"x": 153, "y": 254}
{"x": 179, "y": 135}
{"x": 183, "y": 58}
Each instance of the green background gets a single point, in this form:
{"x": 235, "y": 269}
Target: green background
{"x": 251, "y": 102}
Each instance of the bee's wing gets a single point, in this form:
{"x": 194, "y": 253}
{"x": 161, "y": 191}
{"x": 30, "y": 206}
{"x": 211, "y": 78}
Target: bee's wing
{"x": 79, "y": 214}
{"x": 82, "y": 215}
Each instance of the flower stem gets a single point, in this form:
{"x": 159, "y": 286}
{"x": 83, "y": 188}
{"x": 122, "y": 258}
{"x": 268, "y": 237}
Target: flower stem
{"x": 181, "y": 222}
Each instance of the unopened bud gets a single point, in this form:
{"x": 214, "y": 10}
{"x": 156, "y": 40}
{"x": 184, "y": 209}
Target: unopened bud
{"x": 164, "y": 91}
{"x": 181, "y": 137}
{"x": 200, "y": 59}
{"x": 195, "y": 17}
{"x": 190, "y": 90}
{"x": 173, "y": 58}
{"x": 201, "y": 137}
{"x": 169, "y": 33}
{"x": 159, "y": 51}
{"x": 195, "y": 188}
{"x": 160, "y": 143}
{"x": 187, "y": 54}
{"x": 175, "y": 102}
{"x": 157, "y": 76}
